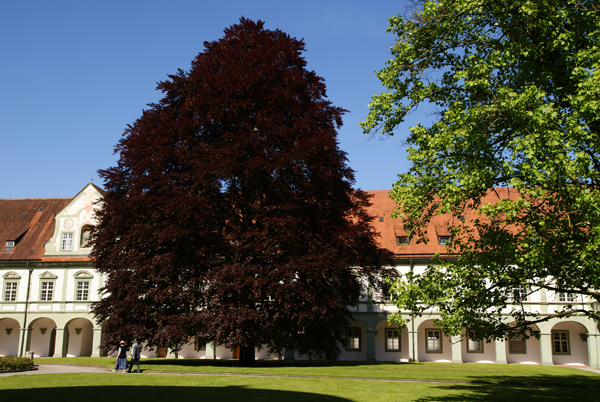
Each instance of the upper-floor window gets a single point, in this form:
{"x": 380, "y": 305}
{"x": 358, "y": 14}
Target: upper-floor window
{"x": 46, "y": 290}
{"x": 520, "y": 294}
{"x": 83, "y": 291}
{"x": 566, "y": 297}
{"x": 10, "y": 291}
{"x": 67, "y": 242}
{"x": 11, "y": 285}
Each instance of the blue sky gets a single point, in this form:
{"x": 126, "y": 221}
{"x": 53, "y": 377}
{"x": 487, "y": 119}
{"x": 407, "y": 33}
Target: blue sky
{"x": 73, "y": 74}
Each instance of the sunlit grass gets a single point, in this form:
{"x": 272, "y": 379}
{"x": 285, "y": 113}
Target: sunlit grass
{"x": 158, "y": 387}
{"x": 489, "y": 373}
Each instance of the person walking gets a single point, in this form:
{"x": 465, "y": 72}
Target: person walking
{"x": 135, "y": 357}
{"x": 121, "y": 358}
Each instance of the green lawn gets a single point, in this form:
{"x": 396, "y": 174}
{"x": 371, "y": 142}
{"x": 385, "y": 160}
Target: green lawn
{"x": 314, "y": 381}
{"x": 493, "y": 373}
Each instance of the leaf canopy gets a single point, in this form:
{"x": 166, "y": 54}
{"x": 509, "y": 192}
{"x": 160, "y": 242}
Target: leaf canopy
{"x": 516, "y": 90}
{"x": 231, "y": 214}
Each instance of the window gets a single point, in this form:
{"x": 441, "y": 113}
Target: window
{"x": 516, "y": 344}
{"x": 402, "y": 241}
{"x": 10, "y": 244}
{"x": 67, "y": 242}
{"x": 199, "y": 344}
{"x": 83, "y": 291}
{"x": 392, "y": 340}
{"x": 10, "y": 291}
{"x": 445, "y": 240}
{"x": 560, "y": 343}
{"x": 474, "y": 345}
{"x": 520, "y": 294}
{"x": 433, "y": 341}
{"x": 46, "y": 290}
{"x": 381, "y": 219}
{"x": 353, "y": 339}
{"x": 566, "y": 297}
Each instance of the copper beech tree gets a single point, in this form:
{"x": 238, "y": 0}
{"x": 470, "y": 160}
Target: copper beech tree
{"x": 231, "y": 215}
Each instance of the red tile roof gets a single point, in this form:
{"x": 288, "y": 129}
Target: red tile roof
{"x": 21, "y": 220}
{"x": 389, "y": 228}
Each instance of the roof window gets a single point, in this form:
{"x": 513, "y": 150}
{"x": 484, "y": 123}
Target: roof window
{"x": 445, "y": 240}
{"x": 10, "y": 244}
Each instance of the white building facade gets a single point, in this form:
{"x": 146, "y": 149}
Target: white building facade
{"x": 49, "y": 284}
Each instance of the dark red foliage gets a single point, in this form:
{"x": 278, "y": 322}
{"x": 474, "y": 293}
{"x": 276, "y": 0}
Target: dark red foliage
{"x": 231, "y": 214}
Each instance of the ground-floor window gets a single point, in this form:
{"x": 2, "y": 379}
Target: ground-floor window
{"x": 474, "y": 345}
{"x": 353, "y": 339}
{"x": 392, "y": 340}
{"x": 560, "y": 342}
{"x": 433, "y": 341}
{"x": 516, "y": 344}
{"x": 199, "y": 344}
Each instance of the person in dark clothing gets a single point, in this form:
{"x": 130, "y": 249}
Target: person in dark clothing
{"x": 121, "y": 358}
{"x": 135, "y": 357}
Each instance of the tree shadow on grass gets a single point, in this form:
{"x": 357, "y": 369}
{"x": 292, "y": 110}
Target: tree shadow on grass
{"x": 510, "y": 389}
{"x": 159, "y": 393}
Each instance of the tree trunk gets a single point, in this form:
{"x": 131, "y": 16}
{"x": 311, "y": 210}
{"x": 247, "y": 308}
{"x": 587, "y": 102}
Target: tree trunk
{"x": 246, "y": 356}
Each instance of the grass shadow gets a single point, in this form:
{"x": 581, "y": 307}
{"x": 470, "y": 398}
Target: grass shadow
{"x": 158, "y": 393}
{"x": 506, "y": 392}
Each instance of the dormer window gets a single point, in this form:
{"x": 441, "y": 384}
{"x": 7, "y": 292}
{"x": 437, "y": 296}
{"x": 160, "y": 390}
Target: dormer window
{"x": 10, "y": 244}
{"x": 445, "y": 240}
{"x": 67, "y": 242}
{"x": 402, "y": 241}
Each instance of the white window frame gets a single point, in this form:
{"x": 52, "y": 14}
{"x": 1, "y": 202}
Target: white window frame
{"x": 85, "y": 291}
{"x": 14, "y": 291}
{"x": 564, "y": 297}
{"x": 561, "y": 339}
{"x": 392, "y": 340}
{"x": 402, "y": 241}
{"x": 10, "y": 244}
{"x": 433, "y": 337}
{"x": 66, "y": 243}
{"x": 520, "y": 294}
{"x": 353, "y": 339}
{"x": 445, "y": 240}
{"x": 47, "y": 294}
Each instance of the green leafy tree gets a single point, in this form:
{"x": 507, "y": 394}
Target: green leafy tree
{"x": 515, "y": 86}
